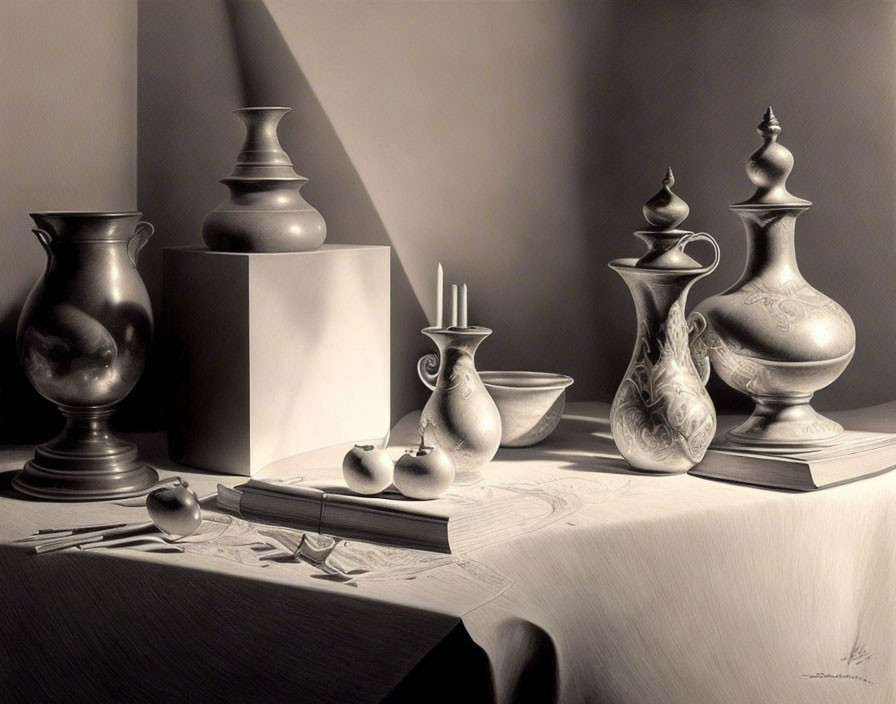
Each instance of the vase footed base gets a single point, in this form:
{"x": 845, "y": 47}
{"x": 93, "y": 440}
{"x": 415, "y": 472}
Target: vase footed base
{"x": 784, "y": 421}
{"x": 86, "y": 462}
{"x": 54, "y": 485}
{"x": 659, "y": 468}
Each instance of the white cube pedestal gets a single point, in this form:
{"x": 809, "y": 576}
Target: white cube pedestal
{"x": 272, "y": 355}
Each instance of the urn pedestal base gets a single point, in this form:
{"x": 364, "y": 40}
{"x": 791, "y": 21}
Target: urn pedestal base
{"x": 784, "y": 420}
{"x": 86, "y": 462}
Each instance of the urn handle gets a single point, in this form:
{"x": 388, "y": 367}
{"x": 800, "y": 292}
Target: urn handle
{"x": 697, "y": 345}
{"x": 138, "y": 241}
{"x": 45, "y": 239}
{"x": 428, "y": 370}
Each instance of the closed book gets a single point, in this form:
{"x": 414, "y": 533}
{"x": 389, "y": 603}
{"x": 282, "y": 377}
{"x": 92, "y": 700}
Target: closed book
{"x": 850, "y": 456}
{"x": 454, "y": 523}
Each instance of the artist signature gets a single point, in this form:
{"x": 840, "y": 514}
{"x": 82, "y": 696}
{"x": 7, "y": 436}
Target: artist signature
{"x": 829, "y": 676}
{"x": 858, "y": 655}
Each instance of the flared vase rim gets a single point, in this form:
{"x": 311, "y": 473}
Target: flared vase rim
{"x": 94, "y": 214}
{"x": 471, "y": 330}
{"x": 555, "y": 380}
{"x": 262, "y": 108}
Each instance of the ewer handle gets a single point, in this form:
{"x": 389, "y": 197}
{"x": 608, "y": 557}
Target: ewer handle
{"x": 706, "y": 237}
{"x": 428, "y": 370}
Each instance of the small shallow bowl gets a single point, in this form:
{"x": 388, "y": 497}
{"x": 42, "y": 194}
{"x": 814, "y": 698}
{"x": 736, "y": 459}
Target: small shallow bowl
{"x": 530, "y": 404}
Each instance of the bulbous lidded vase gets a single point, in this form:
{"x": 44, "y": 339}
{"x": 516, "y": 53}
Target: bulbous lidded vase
{"x": 771, "y": 335}
{"x": 265, "y": 211}
{"x": 662, "y": 418}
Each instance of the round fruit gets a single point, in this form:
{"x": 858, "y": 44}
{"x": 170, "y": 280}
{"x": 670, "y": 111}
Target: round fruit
{"x": 367, "y": 470}
{"x": 175, "y": 510}
{"x": 424, "y": 473}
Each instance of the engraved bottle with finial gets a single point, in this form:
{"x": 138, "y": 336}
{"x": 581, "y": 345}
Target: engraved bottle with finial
{"x": 771, "y": 335}
{"x": 662, "y": 418}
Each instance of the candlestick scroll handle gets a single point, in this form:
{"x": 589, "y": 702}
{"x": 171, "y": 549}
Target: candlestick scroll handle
{"x": 428, "y": 370}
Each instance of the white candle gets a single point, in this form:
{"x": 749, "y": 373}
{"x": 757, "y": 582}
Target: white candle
{"x": 463, "y": 306}
{"x": 440, "y": 295}
{"x": 453, "y": 305}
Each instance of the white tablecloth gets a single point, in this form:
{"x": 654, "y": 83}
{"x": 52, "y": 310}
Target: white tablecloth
{"x": 639, "y": 589}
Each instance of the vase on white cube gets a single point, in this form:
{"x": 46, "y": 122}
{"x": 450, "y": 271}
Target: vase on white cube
{"x": 266, "y": 211}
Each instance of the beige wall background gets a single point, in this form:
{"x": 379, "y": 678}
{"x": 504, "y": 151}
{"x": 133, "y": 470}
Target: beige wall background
{"x": 68, "y": 141}
{"x": 513, "y": 141}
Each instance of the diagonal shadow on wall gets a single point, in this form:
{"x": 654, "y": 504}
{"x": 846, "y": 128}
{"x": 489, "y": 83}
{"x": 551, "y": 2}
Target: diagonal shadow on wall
{"x": 271, "y": 76}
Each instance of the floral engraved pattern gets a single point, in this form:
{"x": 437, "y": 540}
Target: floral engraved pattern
{"x": 462, "y": 375}
{"x": 739, "y": 372}
{"x": 462, "y": 415}
{"x": 550, "y": 419}
{"x": 791, "y": 302}
{"x": 662, "y": 413}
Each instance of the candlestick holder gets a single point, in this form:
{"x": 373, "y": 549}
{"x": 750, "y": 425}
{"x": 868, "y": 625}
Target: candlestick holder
{"x": 460, "y": 413}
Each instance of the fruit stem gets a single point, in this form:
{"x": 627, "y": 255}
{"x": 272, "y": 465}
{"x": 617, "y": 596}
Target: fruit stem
{"x": 421, "y": 431}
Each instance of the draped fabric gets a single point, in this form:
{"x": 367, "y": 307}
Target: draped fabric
{"x": 629, "y": 588}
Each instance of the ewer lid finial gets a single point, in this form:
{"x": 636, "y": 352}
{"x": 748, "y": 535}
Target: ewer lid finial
{"x": 665, "y": 212}
{"x": 768, "y": 168}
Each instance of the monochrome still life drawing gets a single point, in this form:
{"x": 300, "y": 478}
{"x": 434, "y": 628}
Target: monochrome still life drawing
{"x": 426, "y": 423}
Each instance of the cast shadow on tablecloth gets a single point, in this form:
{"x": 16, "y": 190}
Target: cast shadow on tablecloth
{"x": 584, "y": 443}
{"x": 97, "y": 628}
{"x": 587, "y": 445}
{"x": 6, "y": 485}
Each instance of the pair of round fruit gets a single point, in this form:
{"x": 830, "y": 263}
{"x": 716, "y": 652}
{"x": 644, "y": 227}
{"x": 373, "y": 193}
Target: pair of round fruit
{"x": 423, "y": 473}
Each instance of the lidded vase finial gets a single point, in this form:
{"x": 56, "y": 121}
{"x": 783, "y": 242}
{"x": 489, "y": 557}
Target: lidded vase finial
{"x": 769, "y": 128}
{"x": 769, "y": 166}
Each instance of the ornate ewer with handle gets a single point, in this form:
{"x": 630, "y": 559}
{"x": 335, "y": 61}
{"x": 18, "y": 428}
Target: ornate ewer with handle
{"x": 771, "y": 335}
{"x": 662, "y": 417}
